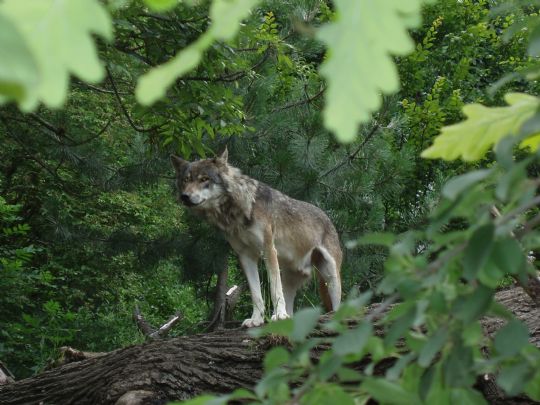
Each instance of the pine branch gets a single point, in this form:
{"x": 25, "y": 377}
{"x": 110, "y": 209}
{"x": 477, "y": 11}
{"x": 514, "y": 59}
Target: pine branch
{"x": 124, "y": 109}
{"x": 307, "y": 100}
{"x": 353, "y": 155}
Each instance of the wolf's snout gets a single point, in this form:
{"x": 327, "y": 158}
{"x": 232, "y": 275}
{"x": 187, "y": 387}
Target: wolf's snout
{"x": 185, "y": 198}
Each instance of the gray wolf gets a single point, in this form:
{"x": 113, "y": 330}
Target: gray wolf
{"x": 292, "y": 236}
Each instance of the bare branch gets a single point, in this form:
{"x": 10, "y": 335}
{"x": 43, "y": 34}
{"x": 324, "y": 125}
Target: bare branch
{"x": 151, "y": 333}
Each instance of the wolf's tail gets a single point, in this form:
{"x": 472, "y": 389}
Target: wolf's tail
{"x": 322, "y": 267}
{"x": 323, "y": 292}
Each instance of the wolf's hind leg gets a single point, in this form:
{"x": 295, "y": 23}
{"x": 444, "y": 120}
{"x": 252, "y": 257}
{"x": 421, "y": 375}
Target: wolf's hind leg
{"x": 272, "y": 265}
{"x": 291, "y": 280}
{"x": 249, "y": 265}
{"x": 330, "y": 283}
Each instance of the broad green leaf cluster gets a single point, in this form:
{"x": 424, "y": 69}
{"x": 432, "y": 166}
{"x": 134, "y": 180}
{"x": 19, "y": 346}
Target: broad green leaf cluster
{"x": 484, "y": 128}
{"x": 43, "y": 42}
{"x": 362, "y": 39}
{"x": 226, "y": 17}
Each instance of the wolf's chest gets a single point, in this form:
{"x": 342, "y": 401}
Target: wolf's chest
{"x": 246, "y": 238}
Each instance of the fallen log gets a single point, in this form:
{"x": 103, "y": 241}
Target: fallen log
{"x": 180, "y": 368}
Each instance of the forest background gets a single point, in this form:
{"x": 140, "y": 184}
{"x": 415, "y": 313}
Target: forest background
{"x": 91, "y": 227}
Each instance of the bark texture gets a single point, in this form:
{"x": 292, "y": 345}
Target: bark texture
{"x": 180, "y": 368}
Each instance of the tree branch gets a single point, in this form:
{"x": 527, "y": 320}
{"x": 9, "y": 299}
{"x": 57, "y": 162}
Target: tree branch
{"x": 124, "y": 109}
{"x": 301, "y": 102}
{"x": 352, "y": 156}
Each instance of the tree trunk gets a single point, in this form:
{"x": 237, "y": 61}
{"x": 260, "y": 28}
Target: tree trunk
{"x": 183, "y": 367}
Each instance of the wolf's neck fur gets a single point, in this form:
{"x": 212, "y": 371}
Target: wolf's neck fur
{"x": 235, "y": 207}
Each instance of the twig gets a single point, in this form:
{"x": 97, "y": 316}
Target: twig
{"x": 352, "y": 156}
{"x": 124, "y": 109}
{"x": 301, "y": 102}
{"x": 151, "y": 333}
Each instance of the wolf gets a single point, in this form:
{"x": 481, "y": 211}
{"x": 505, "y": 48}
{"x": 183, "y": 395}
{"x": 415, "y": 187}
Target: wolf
{"x": 291, "y": 236}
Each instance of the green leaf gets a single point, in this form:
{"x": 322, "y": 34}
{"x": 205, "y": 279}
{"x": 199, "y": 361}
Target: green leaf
{"x": 322, "y": 394}
{"x": 352, "y": 341}
{"x": 357, "y": 77}
{"x": 508, "y": 256}
{"x": 226, "y": 16}
{"x": 467, "y": 396}
{"x": 474, "y": 305}
{"x": 509, "y": 183}
{"x": 478, "y": 250}
{"x": 328, "y": 365}
{"x": 399, "y": 327}
{"x": 18, "y": 69}
{"x": 485, "y": 126}
{"x": 388, "y": 392}
{"x": 432, "y": 347}
{"x": 394, "y": 372}
{"x": 276, "y": 357}
{"x": 303, "y": 323}
{"x": 510, "y": 339}
{"x": 458, "y": 366}
{"x": 161, "y": 5}
{"x": 512, "y": 379}
{"x": 532, "y": 389}
{"x": 534, "y": 42}
{"x": 283, "y": 327}
{"x": 490, "y": 274}
{"x": 472, "y": 334}
{"x": 454, "y": 187}
{"x": 59, "y": 36}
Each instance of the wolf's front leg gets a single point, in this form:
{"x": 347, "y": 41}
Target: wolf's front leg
{"x": 276, "y": 289}
{"x": 249, "y": 265}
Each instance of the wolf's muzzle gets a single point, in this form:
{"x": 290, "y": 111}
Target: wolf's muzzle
{"x": 186, "y": 200}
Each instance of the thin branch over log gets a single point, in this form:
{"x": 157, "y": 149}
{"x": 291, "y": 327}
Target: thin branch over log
{"x": 152, "y": 333}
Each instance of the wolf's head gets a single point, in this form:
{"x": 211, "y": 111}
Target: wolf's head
{"x": 200, "y": 183}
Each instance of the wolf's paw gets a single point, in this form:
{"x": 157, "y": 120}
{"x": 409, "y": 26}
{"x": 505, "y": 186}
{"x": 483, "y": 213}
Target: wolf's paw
{"x": 252, "y": 322}
{"x": 278, "y": 315}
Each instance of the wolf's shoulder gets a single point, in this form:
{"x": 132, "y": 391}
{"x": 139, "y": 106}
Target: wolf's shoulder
{"x": 275, "y": 200}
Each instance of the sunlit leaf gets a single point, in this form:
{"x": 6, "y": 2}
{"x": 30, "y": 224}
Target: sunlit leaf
{"x": 161, "y": 5}
{"x": 471, "y": 139}
{"x": 359, "y": 68}
{"x": 226, "y": 16}
{"x": 18, "y": 69}
{"x": 59, "y": 36}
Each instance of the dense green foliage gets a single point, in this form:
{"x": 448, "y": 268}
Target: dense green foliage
{"x": 90, "y": 226}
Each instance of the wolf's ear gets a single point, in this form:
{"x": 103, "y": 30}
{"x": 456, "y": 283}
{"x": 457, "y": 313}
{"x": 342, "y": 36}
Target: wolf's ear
{"x": 178, "y": 163}
{"x": 224, "y": 155}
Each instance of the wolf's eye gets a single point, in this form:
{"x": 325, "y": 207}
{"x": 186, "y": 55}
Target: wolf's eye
{"x": 203, "y": 179}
